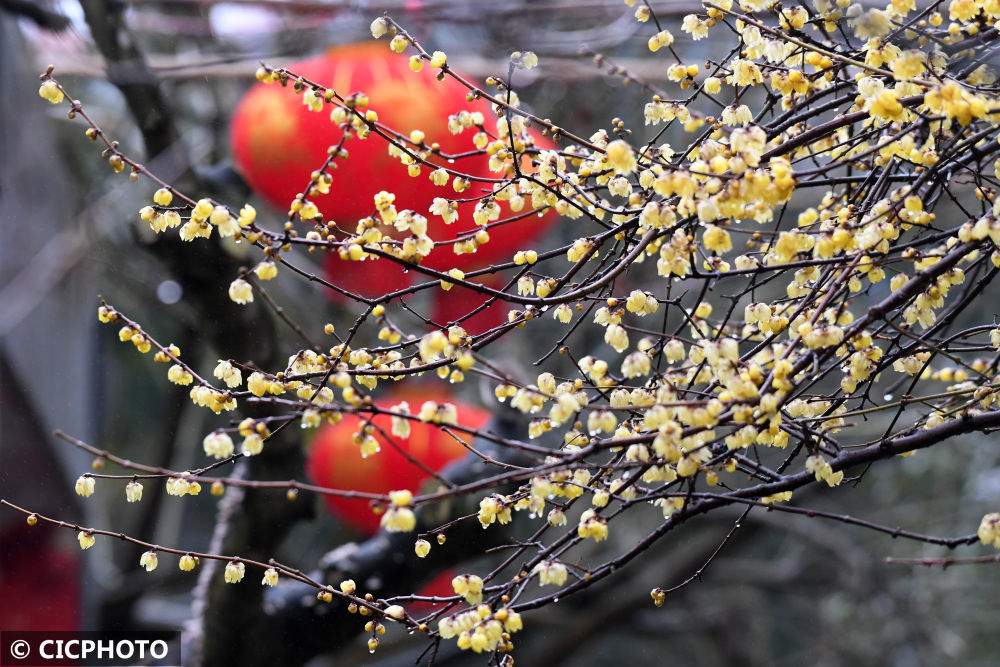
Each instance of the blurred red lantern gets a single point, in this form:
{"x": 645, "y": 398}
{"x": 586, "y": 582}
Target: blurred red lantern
{"x": 440, "y": 586}
{"x": 278, "y": 142}
{"x": 42, "y": 574}
{"x": 335, "y": 460}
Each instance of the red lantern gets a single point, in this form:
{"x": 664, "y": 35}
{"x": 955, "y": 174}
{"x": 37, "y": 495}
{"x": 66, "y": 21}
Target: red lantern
{"x": 335, "y": 460}
{"x": 440, "y": 586}
{"x": 42, "y": 573}
{"x": 278, "y": 142}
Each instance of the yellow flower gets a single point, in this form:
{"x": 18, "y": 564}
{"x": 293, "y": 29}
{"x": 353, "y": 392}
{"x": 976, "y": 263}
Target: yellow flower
{"x": 221, "y": 218}
{"x": 525, "y": 286}
{"x": 398, "y": 520}
{"x": 133, "y": 492}
{"x": 270, "y": 577}
{"x": 469, "y": 586}
{"x": 912, "y": 364}
{"x": 457, "y": 274}
{"x": 870, "y": 24}
{"x": 593, "y": 526}
{"x": 258, "y": 383}
{"x": 193, "y": 230}
{"x": 50, "y": 91}
{"x": 716, "y": 239}
{"x": 422, "y": 548}
{"x": 202, "y": 210}
{"x": 247, "y": 216}
{"x": 312, "y": 100}
{"x": 636, "y": 364}
{"x": 86, "y": 539}
{"x": 733, "y": 115}
{"x": 562, "y": 313}
{"x": 641, "y": 303}
{"x": 795, "y": 17}
{"x": 886, "y": 106}
{"x": 179, "y": 486}
{"x": 85, "y": 486}
{"x": 266, "y": 270}
{"x": 448, "y": 210}
{"x": 697, "y": 28}
{"x": 395, "y": 612}
{"x": 149, "y": 561}
{"x": 240, "y": 291}
{"x": 989, "y": 529}
{"x": 379, "y": 27}
{"x": 171, "y": 219}
{"x": 621, "y": 157}
{"x": 228, "y": 373}
{"x": 398, "y": 44}
{"x": 962, "y": 10}
{"x": 492, "y": 508}
{"x": 526, "y": 59}
{"x": 616, "y": 336}
{"x": 745, "y": 73}
{"x": 907, "y": 65}
{"x": 234, "y": 572}
{"x": 821, "y": 468}
{"x": 439, "y": 59}
{"x": 550, "y": 572}
{"x": 556, "y": 517}
{"x": 401, "y": 498}
{"x": 253, "y": 444}
{"x": 163, "y": 197}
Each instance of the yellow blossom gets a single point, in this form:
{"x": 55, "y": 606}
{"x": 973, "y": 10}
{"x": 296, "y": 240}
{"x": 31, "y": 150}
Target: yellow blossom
{"x": 266, "y": 270}
{"x": 240, "y": 291}
{"x": 592, "y": 525}
{"x": 422, "y": 547}
{"x": 85, "y": 486}
{"x": 469, "y": 586}
{"x": 621, "y": 157}
{"x": 379, "y": 27}
{"x": 438, "y": 59}
{"x": 716, "y": 239}
{"x": 886, "y": 106}
{"x": 149, "y": 561}
{"x": 49, "y": 90}
{"x": 616, "y": 336}
{"x": 550, "y": 572}
{"x": 398, "y": 519}
{"x": 133, "y": 492}
{"x": 989, "y": 529}
{"x": 234, "y": 572}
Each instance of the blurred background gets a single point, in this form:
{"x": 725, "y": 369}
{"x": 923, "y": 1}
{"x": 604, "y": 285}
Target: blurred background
{"x": 164, "y": 77}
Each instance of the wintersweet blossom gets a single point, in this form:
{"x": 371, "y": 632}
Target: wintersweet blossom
{"x": 234, "y": 572}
